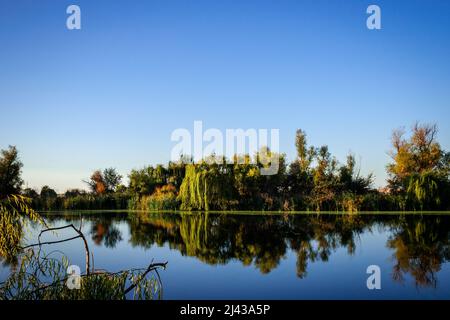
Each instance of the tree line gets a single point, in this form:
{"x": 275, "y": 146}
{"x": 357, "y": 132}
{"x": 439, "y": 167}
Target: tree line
{"x": 418, "y": 179}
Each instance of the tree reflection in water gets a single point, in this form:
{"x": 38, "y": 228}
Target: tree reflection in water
{"x": 103, "y": 231}
{"x": 421, "y": 246}
{"x": 420, "y": 242}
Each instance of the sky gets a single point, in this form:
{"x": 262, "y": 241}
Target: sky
{"x": 111, "y": 94}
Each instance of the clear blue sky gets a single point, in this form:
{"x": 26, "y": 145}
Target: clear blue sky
{"x": 110, "y": 94}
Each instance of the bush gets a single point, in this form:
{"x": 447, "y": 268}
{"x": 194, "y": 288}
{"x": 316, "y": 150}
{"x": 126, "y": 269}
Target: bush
{"x": 164, "y": 198}
{"x": 351, "y": 202}
{"x": 110, "y": 201}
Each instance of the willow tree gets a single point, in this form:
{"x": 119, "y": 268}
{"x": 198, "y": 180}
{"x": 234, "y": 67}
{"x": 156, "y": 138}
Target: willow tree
{"x": 424, "y": 190}
{"x": 15, "y": 213}
{"x": 207, "y": 186}
{"x": 15, "y": 209}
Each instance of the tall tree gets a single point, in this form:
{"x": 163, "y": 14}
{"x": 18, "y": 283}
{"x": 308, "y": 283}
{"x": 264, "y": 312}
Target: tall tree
{"x": 350, "y": 179}
{"x": 324, "y": 177}
{"x": 48, "y": 193}
{"x": 207, "y": 186}
{"x": 10, "y": 170}
{"x": 299, "y": 182}
{"x": 416, "y": 155}
{"x": 420, "y": 168}
{"x": 305, "y": 155}
{"x": 111, "y": 179}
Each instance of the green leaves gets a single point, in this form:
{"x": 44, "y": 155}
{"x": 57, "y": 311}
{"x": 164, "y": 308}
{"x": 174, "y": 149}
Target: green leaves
{"x": 14, "y": 212}
{"x": 423, "y": 189}
{"x": 10, "y": 169}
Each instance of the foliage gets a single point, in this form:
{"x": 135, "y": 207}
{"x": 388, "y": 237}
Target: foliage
{"x": 10, "y": 169}
{"x": 164, "y": 198}
{"x": 420, "y": 153}
{"x": 15, "y": 211}
{"x": 144, "y": 181}
{"x": 83, "y": 201}
{"x": 420, "y": 168}
{"x": 423, "y": 189}
{"x": 207, "y": 187}
{"x": 104, "y": 182}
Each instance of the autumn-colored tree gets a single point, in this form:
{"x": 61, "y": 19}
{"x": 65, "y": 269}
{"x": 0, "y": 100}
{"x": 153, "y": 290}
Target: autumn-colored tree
{"x": 104, "y": 182}
{"x": 97, "y": 183}
{"x": 416, "y": 155}
{"x": 420, "y": 168}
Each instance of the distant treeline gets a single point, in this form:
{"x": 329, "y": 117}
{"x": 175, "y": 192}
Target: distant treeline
{"x": 314, "y": 181}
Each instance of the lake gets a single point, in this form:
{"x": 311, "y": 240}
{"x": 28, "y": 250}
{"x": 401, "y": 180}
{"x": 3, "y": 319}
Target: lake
{"x": 266, "y": 256}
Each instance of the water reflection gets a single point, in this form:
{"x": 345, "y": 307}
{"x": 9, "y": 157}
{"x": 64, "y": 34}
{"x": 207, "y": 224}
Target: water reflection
{"x": 104, "y": 232}
{"x": 421, "y": 246}
{"x": 419, "y": 243}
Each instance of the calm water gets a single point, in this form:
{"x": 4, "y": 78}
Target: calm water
{"x": 231, "y": 256}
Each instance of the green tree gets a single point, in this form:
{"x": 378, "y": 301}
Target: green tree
{"x": 424, "y": 190}
{"x": 14, "y": 208}
{"x": 30, "y": 193}
{"x": 247, "y": 178}
{"x": 48, "y": 199}
{"x": 305, "y": 154}
{"x": 350, "y": 178}
{"x": 10, "y": 170}
{"x": 299, "y": 181}
{"x": 48, "y": 193}
{"x": 272, "y": 186}
{"x": 207, "y": 186}
{"x": 111, "y": 179}
{"x": 324, "y": 177}
{"x": 144, "y": 181}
